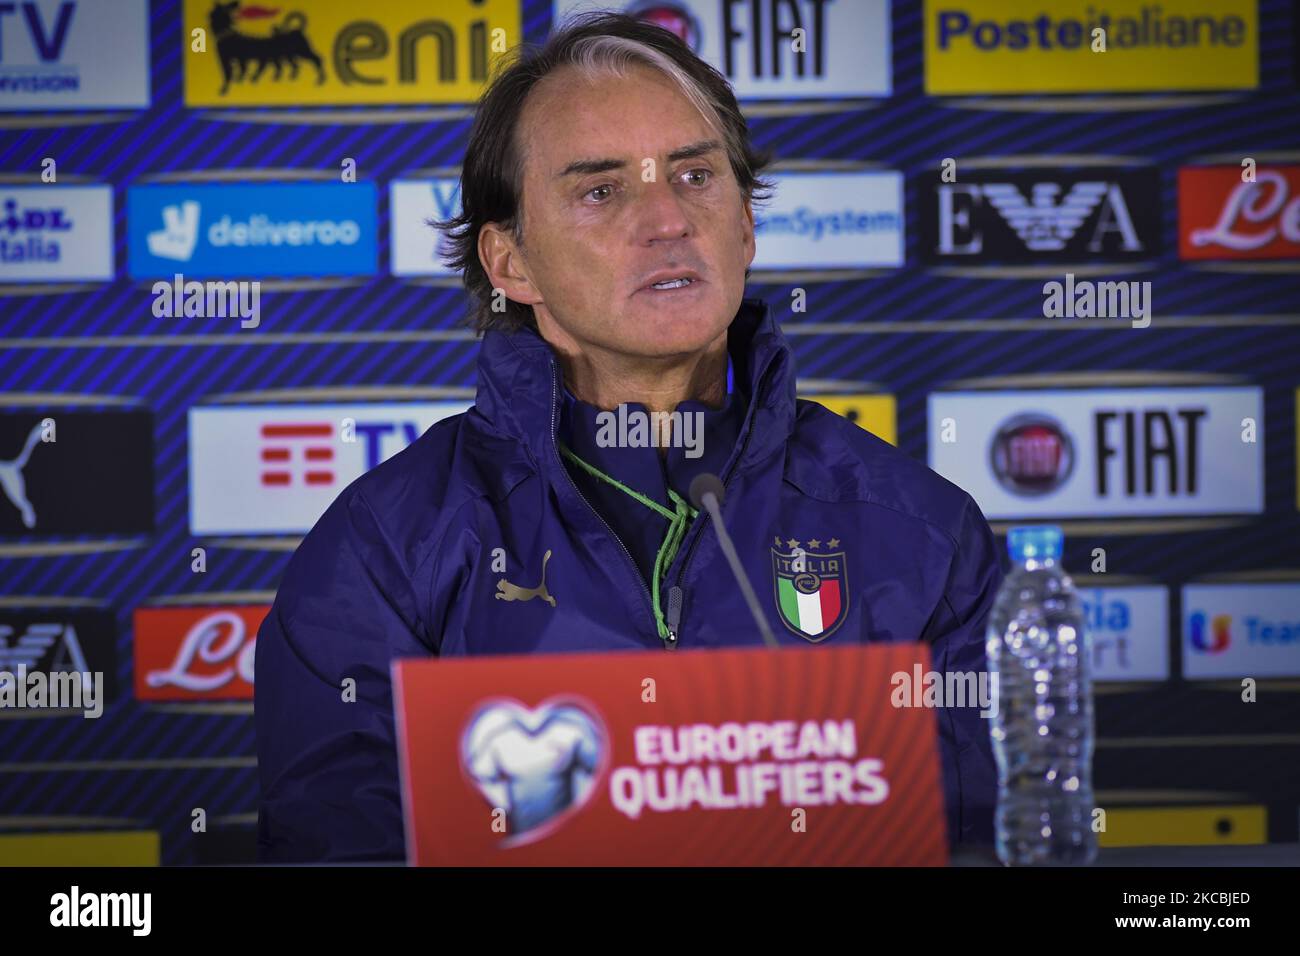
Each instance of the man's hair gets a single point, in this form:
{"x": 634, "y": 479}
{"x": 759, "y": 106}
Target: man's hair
{"x": 492, "y": 176}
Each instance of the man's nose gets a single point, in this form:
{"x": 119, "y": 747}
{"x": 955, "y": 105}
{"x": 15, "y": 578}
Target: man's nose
{"x": 661, "y": 213}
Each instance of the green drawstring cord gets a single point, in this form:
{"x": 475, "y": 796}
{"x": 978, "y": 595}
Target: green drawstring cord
{"x": 678, "y": 519}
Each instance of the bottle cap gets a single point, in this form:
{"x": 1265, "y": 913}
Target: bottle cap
{"x": 1037, "y": 541}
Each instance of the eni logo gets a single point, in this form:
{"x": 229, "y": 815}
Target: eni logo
{"x": 513, "y": 592}
{"x": 1212, "y": 639}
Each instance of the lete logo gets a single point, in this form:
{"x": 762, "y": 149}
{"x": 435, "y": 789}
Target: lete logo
{"x": 214, "y": 659}
{"x": 540, "y": 766}
{"x": 1222, "y": 217}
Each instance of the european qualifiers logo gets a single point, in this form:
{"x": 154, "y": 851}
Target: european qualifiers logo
{"x": 1041, "y": 216}
{"x": 76, "y": 472}
{"x": 810, "y": 587}
{"x": 246, "y": 57}
{"x": 540, "y": 766}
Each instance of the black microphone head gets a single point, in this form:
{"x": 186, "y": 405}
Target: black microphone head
{"x": 705, "y": 483}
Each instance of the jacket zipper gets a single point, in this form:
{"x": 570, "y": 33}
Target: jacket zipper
{"x": 670, "y": 642}
{"x": 676, "y": 593}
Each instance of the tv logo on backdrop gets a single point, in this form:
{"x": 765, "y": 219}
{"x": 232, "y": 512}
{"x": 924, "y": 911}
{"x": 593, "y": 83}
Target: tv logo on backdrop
{"x": 266, "y": 229}
{"x": 1085, "y": 453}
{"x": 993, "y": 46}
{"x": 338, "y": 52}
{"x": 846, "y": 46}
{"x": 274, "y": 469}
{"x": 1241, "y": 630}
{"x": 53, "y": 54}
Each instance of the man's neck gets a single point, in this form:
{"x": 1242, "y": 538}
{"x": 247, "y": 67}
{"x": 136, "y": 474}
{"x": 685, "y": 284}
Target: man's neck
{"x": 607, "y": 380}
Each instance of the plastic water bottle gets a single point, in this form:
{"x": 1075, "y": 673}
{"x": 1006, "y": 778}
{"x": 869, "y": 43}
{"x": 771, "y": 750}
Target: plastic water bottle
{"x": 1039, "y": 656}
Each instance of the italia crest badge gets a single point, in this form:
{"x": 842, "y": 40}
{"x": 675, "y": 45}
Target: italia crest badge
{"x": 810, "y": 586}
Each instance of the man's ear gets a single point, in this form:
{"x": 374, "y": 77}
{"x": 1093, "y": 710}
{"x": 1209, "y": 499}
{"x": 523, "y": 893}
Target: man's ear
{"x": 503, "y": 261}
{"x": 751, "y": 246}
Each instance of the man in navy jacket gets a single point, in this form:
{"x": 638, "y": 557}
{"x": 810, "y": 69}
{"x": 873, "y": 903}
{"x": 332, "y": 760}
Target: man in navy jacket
{"x": 607, "y": 257}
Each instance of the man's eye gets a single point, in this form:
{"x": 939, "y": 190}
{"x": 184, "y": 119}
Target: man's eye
{"x": 597, "y": 189}
{"x": 705, "y": 173}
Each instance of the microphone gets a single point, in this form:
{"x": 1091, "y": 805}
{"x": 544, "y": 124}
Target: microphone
{"x": 707, "y": 493}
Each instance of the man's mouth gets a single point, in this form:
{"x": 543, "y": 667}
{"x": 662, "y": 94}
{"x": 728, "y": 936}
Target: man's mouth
{"x": 672, "y": 284}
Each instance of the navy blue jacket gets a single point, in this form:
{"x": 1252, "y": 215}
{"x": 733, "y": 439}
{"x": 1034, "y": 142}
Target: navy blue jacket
{"x": 400, "y": 565}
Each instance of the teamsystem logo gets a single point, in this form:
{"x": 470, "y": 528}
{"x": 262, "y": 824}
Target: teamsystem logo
{"x": 224, "y": 230}
{"x": 1213, "y": 638}
{"x": 539, "y": 766}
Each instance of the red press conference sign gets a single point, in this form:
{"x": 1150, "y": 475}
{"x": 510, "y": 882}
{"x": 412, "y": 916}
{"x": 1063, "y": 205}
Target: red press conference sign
{"x": 750, "y": 757}
{"x": 1222, "y": 217}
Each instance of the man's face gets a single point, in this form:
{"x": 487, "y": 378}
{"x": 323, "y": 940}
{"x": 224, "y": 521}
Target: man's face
{"x": 601, "y": 223}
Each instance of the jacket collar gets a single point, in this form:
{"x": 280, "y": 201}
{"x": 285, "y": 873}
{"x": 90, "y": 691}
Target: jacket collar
{"x": 519, "y": 386}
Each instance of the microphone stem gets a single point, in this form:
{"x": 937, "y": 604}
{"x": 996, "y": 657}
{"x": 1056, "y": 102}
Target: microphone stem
{"x": 710, "y": 501}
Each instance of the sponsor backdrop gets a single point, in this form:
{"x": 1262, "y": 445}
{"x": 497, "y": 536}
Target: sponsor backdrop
{"x": 169, "y": 429}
